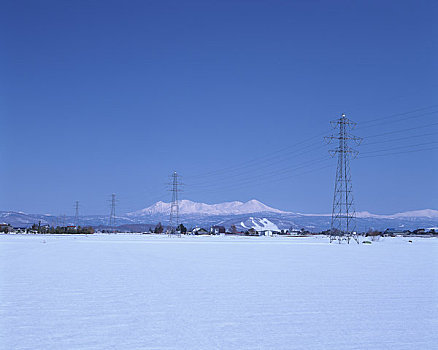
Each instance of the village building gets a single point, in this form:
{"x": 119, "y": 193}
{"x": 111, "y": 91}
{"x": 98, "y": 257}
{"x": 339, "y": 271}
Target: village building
{"x": 395, "y": 232}
{"x": 217, "y": 230}
{"x": 199, "y": 231}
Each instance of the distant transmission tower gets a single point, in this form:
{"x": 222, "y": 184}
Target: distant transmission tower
{"x": 112, "y": 218}
{"x": 77, "y": 214}
{"x": 343, "y": 212}
{"x": 174, "y": 205}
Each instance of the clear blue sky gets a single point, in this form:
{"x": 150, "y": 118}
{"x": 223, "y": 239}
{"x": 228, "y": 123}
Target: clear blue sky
{"x": 99, "y": 97}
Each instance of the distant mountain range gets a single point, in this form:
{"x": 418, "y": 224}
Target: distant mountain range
{"x": 242, "y": 214}
{"x": 189, "y": 207}
{"x": 254, "y": 206}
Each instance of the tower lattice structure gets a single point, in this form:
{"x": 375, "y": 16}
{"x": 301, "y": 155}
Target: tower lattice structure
{"x": 343, "y": 211}
{"x": 77, "y": 214}
{"x": 112, "y": 218}
{"x": 174, "y": 205}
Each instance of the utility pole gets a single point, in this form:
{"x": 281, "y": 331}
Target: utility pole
{"x": 174, "y": 205}
{"x": 343, "y": 212}
{"x": 112, "y": 218}
{"x": 77, "y": 214}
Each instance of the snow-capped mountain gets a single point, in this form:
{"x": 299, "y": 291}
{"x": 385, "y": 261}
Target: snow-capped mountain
{"x": 189, "y": 207}
{"x": 243, "y": 215}
{"x": 425, "y": 213}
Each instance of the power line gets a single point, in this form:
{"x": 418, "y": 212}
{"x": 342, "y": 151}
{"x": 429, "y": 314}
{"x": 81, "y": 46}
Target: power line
{"x": 258, "y": 182}
{"x": 257, "y": 178}
{"x": 401, "y": 147}
{"x": 297, "y": 149}
{"x": 277, "y": 156}
{"x": 293, "y": 174}
{"x": 402, "y": 152}
{"x": 279, "y": 171}
{"x": 398, "y": 139}
{"x": 274, "y": 174}
{"x": 247, "y": 163}
{"x": 400, "y": 120}
{"x": 402, "y": 130}
{"x": 268, "y": 177}
{"x": 265, "y": 165}
{"x": 398, "y": 114}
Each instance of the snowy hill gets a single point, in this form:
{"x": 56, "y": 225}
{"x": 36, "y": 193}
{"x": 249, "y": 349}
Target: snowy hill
{"x": 189, "y": 207}
{"x": 259, "y": 224}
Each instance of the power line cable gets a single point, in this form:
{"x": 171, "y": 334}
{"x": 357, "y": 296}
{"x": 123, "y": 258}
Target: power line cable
{"x": 240, "y": 174}
{"x": 398, "y": 114}
{"x": 253, "y": 162}
{"x": 272, "y": 176}
{"x": 401, "y": 147}
{"x": 364, "y": 143}
{"x": 399, "y": 131}
{"x": 265, "y": 165}
{"x": 392, "y": 121}
{"x": 401, "y": 152}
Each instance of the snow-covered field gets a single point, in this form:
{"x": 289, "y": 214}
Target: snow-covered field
{"x": 150, "y": 292}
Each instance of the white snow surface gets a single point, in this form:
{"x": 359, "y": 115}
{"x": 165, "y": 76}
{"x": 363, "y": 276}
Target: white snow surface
{"x": 132, "y": 291}
{"x": 190, "y": 207}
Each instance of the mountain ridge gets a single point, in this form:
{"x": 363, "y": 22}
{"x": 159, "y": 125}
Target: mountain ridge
{"x": 226, "y": 208}
{"x": 254, "y": 206}
{"x": 241, "y": 214}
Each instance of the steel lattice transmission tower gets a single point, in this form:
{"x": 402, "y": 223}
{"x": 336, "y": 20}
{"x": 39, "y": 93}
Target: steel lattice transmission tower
{"x": 112, "y": 218}
{"x": 343, "y": 212}
{"x": 174, "y": 205}
{"x": 77, "y": 214}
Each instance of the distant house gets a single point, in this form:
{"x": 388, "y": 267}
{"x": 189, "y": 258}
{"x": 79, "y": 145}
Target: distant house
{"x": 252, "y": 232}
{"x": 395, "y": 232}
{"x": 234, "y": 231}
{"x": 217, "y": 230}
{"x": 266, "y": 233}
{"x": 4, "y": 227}
{"x": 199, "y": 231}
{"x": 420, "y": 231}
